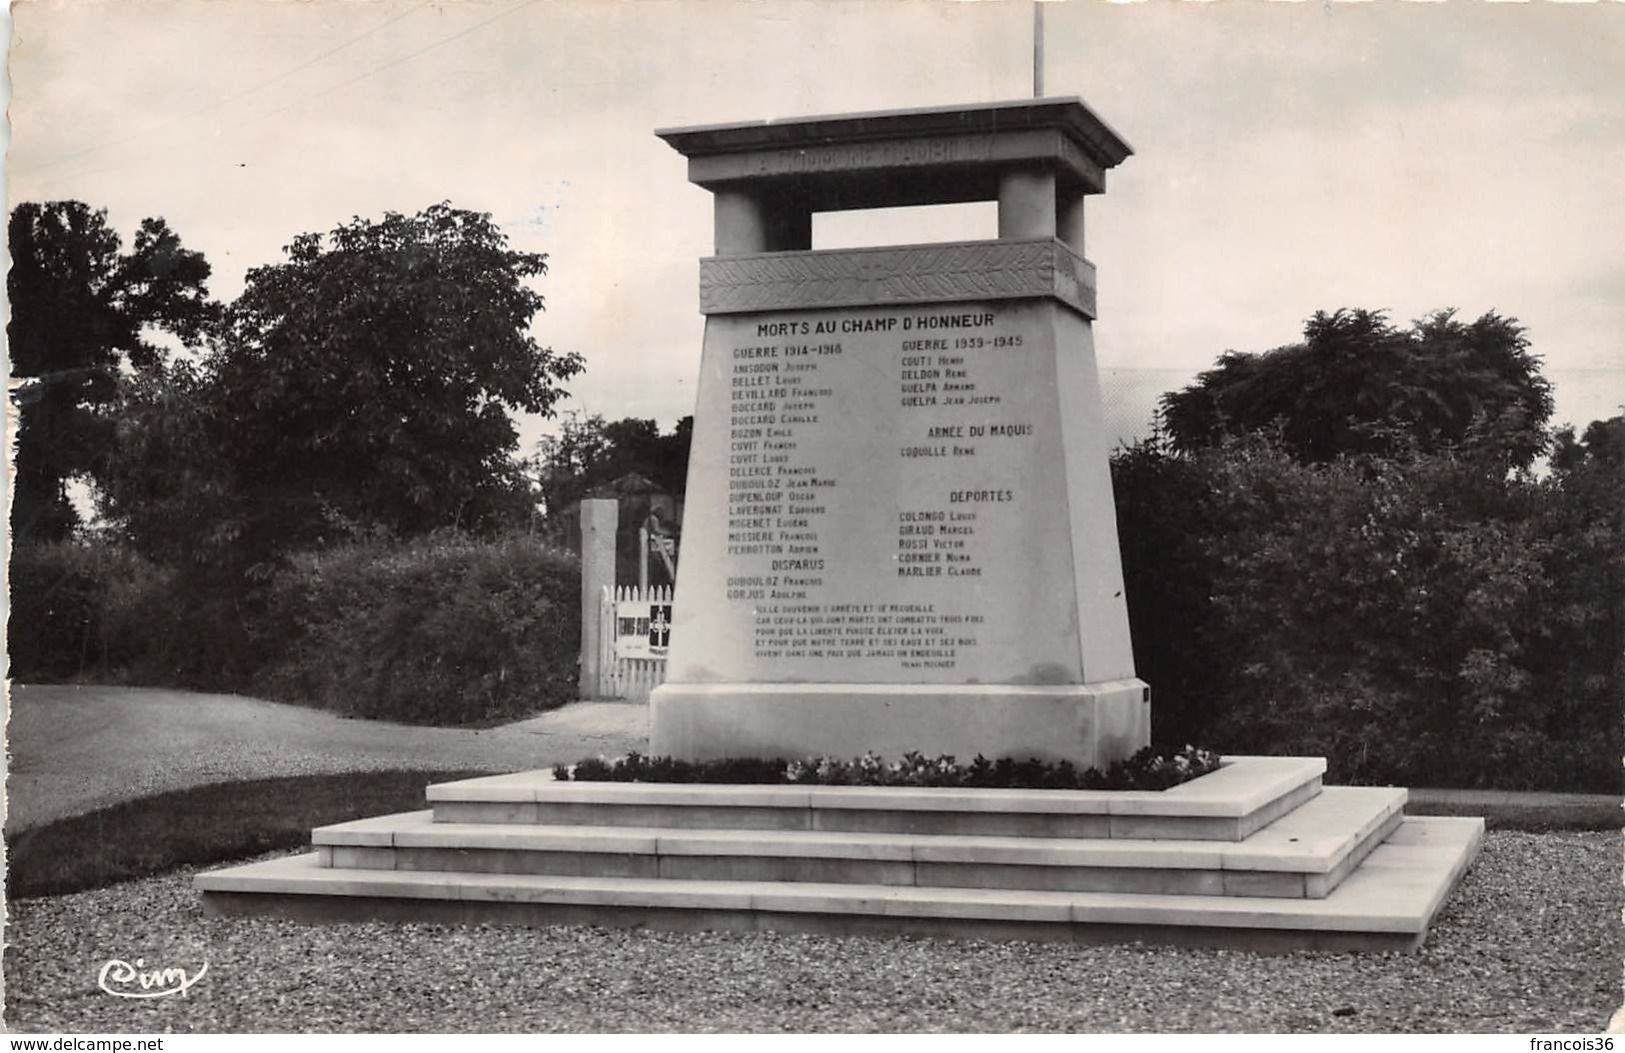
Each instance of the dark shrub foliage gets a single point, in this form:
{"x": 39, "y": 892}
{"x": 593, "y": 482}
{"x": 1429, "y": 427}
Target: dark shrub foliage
{"x": 1428, "y": 620}
{"x": 1165, "y": 510}
{"x": 443, "y": 630}
{"x": 1147, "y": 770}
{"x": 82, "y": 611}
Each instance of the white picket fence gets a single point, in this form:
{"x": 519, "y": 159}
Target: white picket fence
{"x": 628, "y": 667}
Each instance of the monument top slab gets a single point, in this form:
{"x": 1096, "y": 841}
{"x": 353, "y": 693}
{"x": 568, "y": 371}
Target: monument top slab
{"x": 916, "y": 156}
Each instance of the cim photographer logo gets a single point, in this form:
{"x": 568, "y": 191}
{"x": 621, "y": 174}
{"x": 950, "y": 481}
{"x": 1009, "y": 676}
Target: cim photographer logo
{"x": 124, "y": 980}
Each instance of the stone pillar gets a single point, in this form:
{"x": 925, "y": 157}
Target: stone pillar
{"x": 598, "y": 522}
{"x": 1069, "y": 219}
{"x": 747, "y": 223}
{"x": 741, "y": 223}
{"x": 1026, "y": 204}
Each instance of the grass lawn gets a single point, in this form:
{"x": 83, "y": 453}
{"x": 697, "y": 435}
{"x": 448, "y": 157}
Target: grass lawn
{"x": 1542, "y": 817}
{"x": 203, "y": 825}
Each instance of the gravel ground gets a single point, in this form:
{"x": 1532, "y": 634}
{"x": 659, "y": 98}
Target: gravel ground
{"x": 75, "y": 748}
{"x": 1530, "y": 942}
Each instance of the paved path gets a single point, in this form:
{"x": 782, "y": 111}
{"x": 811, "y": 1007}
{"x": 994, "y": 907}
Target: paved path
{"x": 77, "y": 748}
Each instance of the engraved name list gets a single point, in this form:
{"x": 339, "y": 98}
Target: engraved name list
{"x": 900, "y": 427}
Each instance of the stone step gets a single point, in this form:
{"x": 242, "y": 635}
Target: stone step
{"x": 1244, "y": 795}
{"x": 1385, "y": 904}
{"x": 1305, "y": 853}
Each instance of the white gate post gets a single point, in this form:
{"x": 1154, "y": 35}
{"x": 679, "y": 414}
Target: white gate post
{"x": 598, "y": 521}
{"x": 643, "y": 561}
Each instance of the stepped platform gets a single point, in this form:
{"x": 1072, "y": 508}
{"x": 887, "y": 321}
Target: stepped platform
{"x": 1227, "y": 805}
{"x": 1258, "y": 854}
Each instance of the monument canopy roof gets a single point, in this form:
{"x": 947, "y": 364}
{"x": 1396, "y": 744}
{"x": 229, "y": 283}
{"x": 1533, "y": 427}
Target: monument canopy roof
{"x": 914, "y": 156}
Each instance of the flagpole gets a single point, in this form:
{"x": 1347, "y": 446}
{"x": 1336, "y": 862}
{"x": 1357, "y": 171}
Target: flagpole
{"x": 1038, "y": 49}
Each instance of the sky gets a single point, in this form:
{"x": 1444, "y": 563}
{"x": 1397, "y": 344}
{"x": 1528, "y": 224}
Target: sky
{"x": 1289, "y": 157}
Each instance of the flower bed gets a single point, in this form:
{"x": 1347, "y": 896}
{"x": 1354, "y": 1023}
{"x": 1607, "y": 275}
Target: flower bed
{"x": 1146, "y": 770}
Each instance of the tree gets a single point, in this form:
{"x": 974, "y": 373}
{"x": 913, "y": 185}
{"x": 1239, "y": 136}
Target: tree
{"x": 81, "y": 310}
{"x": 361, "y": 385}
{"x": 167, "y": 485}
{"x": 1602, "y": 445}
{"x": 589, "y": 453}
{"x": 1356, "y": 384}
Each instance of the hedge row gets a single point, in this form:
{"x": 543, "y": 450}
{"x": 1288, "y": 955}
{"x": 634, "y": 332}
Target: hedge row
{"x": 1428, "y": 622}
{"x": 448, "y": 629}
{"x": 443, "y": 630}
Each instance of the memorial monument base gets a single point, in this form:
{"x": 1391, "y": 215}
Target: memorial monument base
{"x": 1091, "y": 725}
{"x": 1257, "y": 855}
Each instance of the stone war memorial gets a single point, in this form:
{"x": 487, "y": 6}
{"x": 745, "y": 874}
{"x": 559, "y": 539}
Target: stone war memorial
{"x": 900, "y": 512}
{"x": 899, "y": 537}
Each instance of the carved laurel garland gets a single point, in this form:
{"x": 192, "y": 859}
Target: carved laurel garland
{"x": 973, "y": 270}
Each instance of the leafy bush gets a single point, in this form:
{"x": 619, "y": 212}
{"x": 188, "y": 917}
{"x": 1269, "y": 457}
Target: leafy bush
{"x": 81, "y": 610}
{"x": 443, "y": 630}
{"x": 1427, "y": 620}
{"x": 1146, "y": 770}
{"x": 447, "y": 629}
